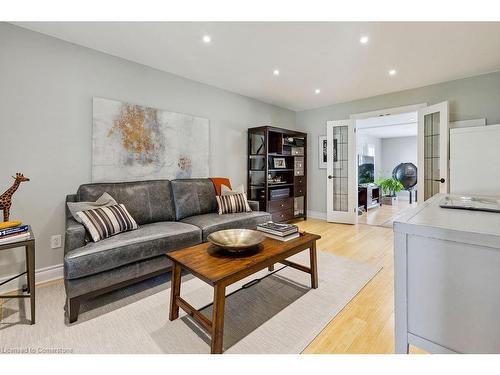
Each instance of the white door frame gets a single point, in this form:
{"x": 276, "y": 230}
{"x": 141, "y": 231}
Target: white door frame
{"x": 351, "y": 215}
{"x": 444, "y": 147}
{"x": 388, "y": 111}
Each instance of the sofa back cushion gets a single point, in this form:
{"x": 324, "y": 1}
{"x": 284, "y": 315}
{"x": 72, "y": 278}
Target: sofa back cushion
{"x": 146, "y": 201}
{"x": 195, "y": 196}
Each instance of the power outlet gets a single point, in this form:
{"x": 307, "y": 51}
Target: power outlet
{"x": 56, "y": 241}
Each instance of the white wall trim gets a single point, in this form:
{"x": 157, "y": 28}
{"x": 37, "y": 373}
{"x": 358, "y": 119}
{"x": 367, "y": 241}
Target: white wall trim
{"x": 316, "y": 214}
{"x": 42, "y": 275}
{"x": 388, "y": 111}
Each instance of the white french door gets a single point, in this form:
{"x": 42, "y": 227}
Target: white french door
{"x": 341, "y": 172}
{"x": 433, "y": 151}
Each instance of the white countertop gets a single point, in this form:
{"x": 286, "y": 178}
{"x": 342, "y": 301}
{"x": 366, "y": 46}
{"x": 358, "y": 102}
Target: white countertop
{"x": 437, "y": 221}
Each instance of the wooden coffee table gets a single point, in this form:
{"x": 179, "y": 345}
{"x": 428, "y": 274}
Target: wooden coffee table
{"x": 220, "y": 269}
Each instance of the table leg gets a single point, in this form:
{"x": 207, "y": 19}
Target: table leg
{"x": 175, "y": 291}
{"x": 30, "y": 251}
{"x": 314, "y": 265}
{"x": 218, "y": 318}
{"x": 27, "y": 270}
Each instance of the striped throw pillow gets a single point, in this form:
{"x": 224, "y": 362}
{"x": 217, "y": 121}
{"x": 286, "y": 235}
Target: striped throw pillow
{"x": 104, "y": 222}
{"x": 231, "y": 204}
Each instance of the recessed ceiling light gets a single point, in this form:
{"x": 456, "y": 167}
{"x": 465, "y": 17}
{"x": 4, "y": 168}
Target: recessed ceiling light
{"x": 317, "y": 91}
{"x": 207, "y": 39}
{"x": 276, "y": 72}
{"x": 364, "y": 40}
{"x": 392, "y": 72}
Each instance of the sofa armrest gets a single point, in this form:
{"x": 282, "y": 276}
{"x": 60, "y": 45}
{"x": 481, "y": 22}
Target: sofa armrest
{"x": 74, "y": 235}
{"x": 254, "y": 205}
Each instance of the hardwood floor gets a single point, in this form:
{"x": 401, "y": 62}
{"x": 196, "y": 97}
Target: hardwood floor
{"x": 366, "y": 324}
{"x": 379, "y": 215}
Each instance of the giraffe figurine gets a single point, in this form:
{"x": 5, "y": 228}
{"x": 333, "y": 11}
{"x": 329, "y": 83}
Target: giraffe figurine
{"x": 6, "y": 198}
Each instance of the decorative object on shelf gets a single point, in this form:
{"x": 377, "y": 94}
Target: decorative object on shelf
{"x": 132, "y": 142}
{"x": 390, "y": 187}
{"x": 322, "y": 152}
{"x": 6, "y": 197}
{"x": 275, "y": 180}
{"x": 279, "y": 163}
{"x": 236, "y": 240}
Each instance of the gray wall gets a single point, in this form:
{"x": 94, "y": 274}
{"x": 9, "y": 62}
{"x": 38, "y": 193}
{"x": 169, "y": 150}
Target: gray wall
{"x": 396, "y": 151}
{"x": 362, "y": 142}
{"x": 46, "y": 91}
{"x": 470, "y": 98}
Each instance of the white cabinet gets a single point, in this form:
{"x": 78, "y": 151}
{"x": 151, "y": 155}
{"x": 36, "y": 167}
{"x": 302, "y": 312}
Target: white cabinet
{"x": 447, "y": 280}
{"x": 474, "y": 159}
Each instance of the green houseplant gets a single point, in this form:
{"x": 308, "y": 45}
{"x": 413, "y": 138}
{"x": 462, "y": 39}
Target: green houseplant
{"x": 390, "y": 187}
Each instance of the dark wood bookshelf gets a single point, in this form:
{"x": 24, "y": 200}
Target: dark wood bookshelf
{"x": 286, "y": 200}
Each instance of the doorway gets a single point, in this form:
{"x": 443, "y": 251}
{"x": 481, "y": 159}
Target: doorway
{"x": 387, "y": 155}
{"x": 343, "y": 160}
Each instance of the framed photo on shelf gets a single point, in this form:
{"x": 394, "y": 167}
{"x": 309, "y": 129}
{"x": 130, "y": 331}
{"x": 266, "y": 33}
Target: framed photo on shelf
{"x": 279, "y": 163}
{"x": 322, "y": 152}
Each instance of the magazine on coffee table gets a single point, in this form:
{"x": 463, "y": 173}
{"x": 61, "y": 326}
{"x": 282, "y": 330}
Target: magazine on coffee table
{"x": 277, "y": 229}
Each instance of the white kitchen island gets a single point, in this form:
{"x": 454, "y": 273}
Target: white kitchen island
{"x": 447, "y": 280}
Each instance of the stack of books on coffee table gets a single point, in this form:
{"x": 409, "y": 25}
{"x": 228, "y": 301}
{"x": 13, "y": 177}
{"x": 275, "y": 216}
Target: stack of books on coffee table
{"x": 280, "y": 232}
{"x": 13, "y": 233}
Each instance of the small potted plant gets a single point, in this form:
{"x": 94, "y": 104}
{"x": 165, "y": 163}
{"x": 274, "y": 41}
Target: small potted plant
{"x": 390, "y": 187}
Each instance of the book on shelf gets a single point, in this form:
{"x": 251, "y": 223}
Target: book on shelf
{"x": 282, "y": 238}
{"x": 277, "y": 229}
{"x": 14, "y": 238}
{"x": 9, "y": 231}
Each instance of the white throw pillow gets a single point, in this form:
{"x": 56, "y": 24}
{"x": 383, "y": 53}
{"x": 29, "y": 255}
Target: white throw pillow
{"x": 224, "y": 190}
{"x": 103, "y": 201}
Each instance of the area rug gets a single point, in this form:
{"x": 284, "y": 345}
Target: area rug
{"x": 279, "y": 314}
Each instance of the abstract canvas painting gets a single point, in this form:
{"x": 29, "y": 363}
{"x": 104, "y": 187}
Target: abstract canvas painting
{"x": 132, "y": 142}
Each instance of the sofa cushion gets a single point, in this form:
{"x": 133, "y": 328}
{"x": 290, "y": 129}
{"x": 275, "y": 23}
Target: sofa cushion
{"x": 146, "y": 242}
{"x": 213, "y": 222}
{"x": 146, "y": 201}
{"x": 195, "y": 196}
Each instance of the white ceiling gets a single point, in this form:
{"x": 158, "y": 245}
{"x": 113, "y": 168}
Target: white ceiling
{"x": 391, "y": 126}
{"x": 324, "y": 55}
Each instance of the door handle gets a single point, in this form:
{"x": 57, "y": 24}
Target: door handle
{"x": 330, "y": 177}
{"x": 442, "y": 180}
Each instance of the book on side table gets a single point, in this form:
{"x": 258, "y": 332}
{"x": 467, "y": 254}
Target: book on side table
{"x": 14, "y": 234}
{"x": 280, "y": 232}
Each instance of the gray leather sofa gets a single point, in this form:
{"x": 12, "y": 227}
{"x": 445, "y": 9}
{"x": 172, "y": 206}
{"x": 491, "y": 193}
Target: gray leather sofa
{"x": 170, "y": 214}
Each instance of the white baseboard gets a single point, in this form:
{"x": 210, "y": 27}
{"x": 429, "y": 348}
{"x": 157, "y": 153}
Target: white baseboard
{"x": 42, "y": 275}
{"x": 316, "y": 214}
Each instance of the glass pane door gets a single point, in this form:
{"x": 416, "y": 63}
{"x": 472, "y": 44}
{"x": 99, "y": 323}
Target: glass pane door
{"x": 431, "y": 155}
{"x": 341, "y": 172}
{"x": 433, "y": 152}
